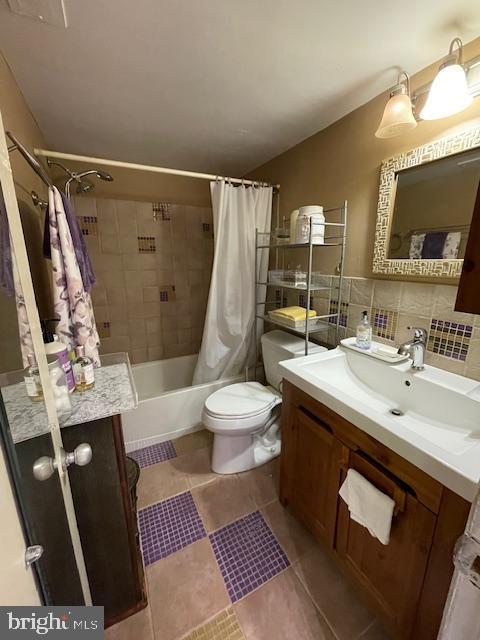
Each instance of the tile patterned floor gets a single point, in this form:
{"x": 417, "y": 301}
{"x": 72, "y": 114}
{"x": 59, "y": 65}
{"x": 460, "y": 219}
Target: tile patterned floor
{"x": 169, "y": 526}
{"x": 248, "y": 555}
{"x": 220, "y": 572}
{"x": 154, "y": 454}
{"x": 223, "y": 627}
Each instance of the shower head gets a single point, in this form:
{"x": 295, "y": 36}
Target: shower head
{"x": 84, "y": 186}
{"x": 101, "y": 175}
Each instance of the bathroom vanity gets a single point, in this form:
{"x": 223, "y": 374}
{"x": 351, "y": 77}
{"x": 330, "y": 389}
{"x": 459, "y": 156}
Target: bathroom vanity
{"x": 405, "y": 582}
{"x": 103, "y": 491}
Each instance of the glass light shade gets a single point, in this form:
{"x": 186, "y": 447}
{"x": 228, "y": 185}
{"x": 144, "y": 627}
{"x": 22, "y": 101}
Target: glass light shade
{"x": 397, "y": 117}
{"x": 448, "y": 94}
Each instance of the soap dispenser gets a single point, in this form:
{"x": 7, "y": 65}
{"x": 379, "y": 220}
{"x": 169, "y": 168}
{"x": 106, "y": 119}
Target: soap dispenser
{"x": 364, "y": 332}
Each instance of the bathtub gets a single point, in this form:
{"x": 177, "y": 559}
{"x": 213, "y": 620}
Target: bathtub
{"x": 168, "y": 405}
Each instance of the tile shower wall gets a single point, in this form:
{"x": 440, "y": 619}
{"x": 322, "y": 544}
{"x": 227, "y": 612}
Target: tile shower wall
{"x": 153, "y": 263}
{"x": 454, "y": 337}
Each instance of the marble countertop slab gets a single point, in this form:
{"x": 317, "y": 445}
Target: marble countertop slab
{"x": 114, "y": 393}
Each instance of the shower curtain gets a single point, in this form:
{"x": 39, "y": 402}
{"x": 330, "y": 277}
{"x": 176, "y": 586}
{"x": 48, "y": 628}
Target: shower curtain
{"x": 230, "y": 315}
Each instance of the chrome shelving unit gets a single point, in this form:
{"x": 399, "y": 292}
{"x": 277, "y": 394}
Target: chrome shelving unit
{"x": 320, "y": 323}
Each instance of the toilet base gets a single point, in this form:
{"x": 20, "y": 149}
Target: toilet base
{"x": 233, "y": 454}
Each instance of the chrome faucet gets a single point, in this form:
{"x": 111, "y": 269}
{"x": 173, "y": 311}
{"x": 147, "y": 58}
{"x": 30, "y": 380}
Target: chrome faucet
{"x": 416, "y": 348}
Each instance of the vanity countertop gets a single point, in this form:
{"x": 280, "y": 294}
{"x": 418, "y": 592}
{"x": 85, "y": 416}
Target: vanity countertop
{"x": 114, "y": 393}
{"x": 431, "y": 418}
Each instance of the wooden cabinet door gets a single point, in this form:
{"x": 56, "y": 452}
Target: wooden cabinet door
{"x": 311, "y": 470}
{"x": 392, "y": 575}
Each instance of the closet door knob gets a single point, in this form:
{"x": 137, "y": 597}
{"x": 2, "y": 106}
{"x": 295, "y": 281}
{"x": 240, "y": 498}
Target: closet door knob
{"x": 44, "y": 467}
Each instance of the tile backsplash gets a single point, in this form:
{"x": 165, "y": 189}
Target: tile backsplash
{"x": 454, "y": 337}
{"x": 153, "y": 263}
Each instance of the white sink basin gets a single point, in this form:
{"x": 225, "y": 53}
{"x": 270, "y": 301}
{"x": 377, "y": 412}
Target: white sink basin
{"x": 438, "y": 428}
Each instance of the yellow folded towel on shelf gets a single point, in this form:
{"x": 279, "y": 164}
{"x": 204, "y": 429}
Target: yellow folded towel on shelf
{"x": 293, "y": 313}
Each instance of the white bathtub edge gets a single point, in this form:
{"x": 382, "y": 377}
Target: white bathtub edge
{"x": 168, "y": 416}
{"x": 133, "y": 445}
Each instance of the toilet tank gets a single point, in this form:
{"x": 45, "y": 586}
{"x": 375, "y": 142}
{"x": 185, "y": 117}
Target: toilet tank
{"x": 279, "y": 345}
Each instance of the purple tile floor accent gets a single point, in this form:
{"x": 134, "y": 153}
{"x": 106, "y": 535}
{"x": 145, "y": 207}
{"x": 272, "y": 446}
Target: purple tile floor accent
{"x": 168, "y": 526}
{"x": 248, "y": 555}
{"x": 155, "y": 453}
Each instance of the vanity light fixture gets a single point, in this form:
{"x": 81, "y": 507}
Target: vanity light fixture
{"x": 398, "y": 113}
{"x": 449, "y": 93}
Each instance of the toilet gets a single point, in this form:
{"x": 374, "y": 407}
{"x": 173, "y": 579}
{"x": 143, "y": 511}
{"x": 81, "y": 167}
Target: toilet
{"x": 245, "y": 417}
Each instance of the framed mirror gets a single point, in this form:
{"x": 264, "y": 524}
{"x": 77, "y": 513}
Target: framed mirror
{"x": 425, "y": 205}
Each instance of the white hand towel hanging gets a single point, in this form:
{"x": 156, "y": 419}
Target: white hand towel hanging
{"x": 368, "y": 506}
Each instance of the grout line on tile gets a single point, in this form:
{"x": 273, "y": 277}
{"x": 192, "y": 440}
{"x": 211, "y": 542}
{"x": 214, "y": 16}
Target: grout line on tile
{"x": 317, "y": 607}
{"x": 262, "y": 585}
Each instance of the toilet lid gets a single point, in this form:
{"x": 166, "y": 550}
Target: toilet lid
{"x": 244, "y": 399}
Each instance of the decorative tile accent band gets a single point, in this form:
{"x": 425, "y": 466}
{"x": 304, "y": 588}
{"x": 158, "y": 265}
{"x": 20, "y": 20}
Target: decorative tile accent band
{"x": 449, "y": 339}
{"x": 207, "y": 229}
{"x": 384, "y": 323}
{"x": 167, "y": 293}
{"x": 169, "y": 526}
{"x": 88, "y": 225}
{"x": 224, "y": 626}
{"x": 248, "y": 555}
{"x": 161, "y": 211}
{"x": 154, "y": 454}
{"x": 146, "y": 244}
{"x": 302, "y": 300}
{"x": 343, "y": 312}
{"x": 104, "y": 330}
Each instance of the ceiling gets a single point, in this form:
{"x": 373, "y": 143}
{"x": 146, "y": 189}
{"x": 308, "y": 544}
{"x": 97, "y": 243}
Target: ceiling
{"x": 217, "y": 85}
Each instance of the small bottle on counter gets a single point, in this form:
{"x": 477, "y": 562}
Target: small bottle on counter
{"x": 32, "y": 379}
{"x": 83, "y": 370}
{"x": 364, "y": 332}
{"x": 60, "y": 350}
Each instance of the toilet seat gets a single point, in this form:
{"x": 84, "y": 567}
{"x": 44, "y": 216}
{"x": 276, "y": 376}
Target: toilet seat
{"x": 241, "y": 401}
{"x": 240, "y": 409}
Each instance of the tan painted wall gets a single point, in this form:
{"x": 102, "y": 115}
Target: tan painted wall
{"x": 343, "y": 161}
{"x": 130, "y": 184}
{"x": 18, "y": 119}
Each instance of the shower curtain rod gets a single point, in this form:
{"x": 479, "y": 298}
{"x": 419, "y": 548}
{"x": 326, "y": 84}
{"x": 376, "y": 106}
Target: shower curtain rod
{"x": 33, "y": 162}
{"x": 146, "y": 167}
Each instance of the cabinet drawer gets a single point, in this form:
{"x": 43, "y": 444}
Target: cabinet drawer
{"x": 391, "y": 575}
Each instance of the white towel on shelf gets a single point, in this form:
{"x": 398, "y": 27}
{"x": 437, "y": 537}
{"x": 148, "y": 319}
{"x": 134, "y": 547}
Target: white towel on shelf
{"x": 368, "y": 506}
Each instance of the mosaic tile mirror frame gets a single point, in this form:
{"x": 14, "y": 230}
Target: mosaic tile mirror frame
{"x": 433, "y": 268}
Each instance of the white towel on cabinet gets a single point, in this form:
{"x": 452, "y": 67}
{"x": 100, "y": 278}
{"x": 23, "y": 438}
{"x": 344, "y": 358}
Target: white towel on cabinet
{"x": 368, "y": 506}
